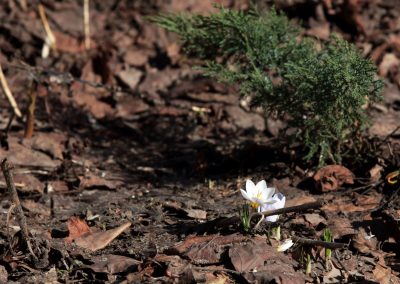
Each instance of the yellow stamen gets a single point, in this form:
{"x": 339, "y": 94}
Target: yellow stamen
{"x": 392, "y": 177}
{"x": 255, "y": 205}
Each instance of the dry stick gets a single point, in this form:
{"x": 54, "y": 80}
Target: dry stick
{"x": 6, "y": 167}
{"x": 30, "y": 120}
{"x": 86, "y": 23}
{"x": 297, "y": 208}
{"x": 8, "y": 94}
{"x": 311, "y": 242}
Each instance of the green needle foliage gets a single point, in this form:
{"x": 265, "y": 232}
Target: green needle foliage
{"x": 320, "y": 91}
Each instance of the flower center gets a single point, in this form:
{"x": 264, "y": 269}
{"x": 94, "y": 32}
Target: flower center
{"x": 255, "y": 205}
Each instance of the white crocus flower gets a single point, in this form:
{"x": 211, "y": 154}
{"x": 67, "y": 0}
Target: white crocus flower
{"x": 279, "y": 203}
{"x": 285, "y": 245}
{"x": 258, "y": 194}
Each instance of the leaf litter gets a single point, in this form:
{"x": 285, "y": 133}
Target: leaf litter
{"x": 136, "y": 161}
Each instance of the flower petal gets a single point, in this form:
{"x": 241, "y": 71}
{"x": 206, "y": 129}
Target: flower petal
{"x": 261, "y": 185}
{"x": 285, "y": 245}
{"x": 269, "y": 201}
{"x": 245, "y": 195}
{"x": 269, "y": 192}
{"x": 251, "y": 188}
{"x": 272, "y": 218}
{"x": 279, "y": 202}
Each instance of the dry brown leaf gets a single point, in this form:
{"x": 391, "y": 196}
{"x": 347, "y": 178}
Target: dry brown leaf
{"x": 365, "y": 243}
{"x": 176, "y": 266}
{"x": 375, "y": 173}
{"x": 3, "y": 274}
{"x": 36, "y": 207}
{"x": 381, "y": 272}
{"x": 28, "y": 183}
{"x": 261, "y": 263}
{"x": 196, "y": 213}
{"x": 99, "y": 240}
{"x": 90, "y": 181}
{"x": 314, "y": 219}
{"x": 305, "y": 198}
{"x": 220, "y": 279}
{"x": 363, "y": 203}
{"x": 138, "y": 56}
{"x": 90, "y": 103}
{"x": 389, "y": 62}
{"x": 67, "y": 43}
{"x": 130, "y": 77}
{"x": 112, "y": 263}
{"x": 20, "y": 155}
{"x": 204, "y": 249}
{"x": 331, "y": 177}
{"x": 340, "y": 227}
{"x": 319, "y": 29}
{"x": 333, "y": 276}
{"x": 49, "y": 143}
{"x": 384, "y": 125}
{"x": 77, "y": 228}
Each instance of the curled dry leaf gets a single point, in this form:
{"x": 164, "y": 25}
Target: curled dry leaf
{"x": 330, "y": 178}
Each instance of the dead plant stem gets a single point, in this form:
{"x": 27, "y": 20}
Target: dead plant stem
{"x": 6, "y": 167}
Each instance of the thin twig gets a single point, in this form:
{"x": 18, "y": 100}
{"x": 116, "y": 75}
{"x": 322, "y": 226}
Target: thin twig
{"x": 30, "y": 119}
{"x": 218, "y": 270}
{"x": 318, "y": 243}
{"x": 367, "y": 186}
{"x": 9, "y": 95}
{"x": 86, "y": 23}
{"x": 297, "y": 208}
{"x": 6, "y": 167}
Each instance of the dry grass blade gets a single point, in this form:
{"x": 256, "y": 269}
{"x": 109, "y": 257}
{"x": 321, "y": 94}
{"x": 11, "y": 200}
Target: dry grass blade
{"x": 86, "y": 23}
{"x": 8, "y": 94}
